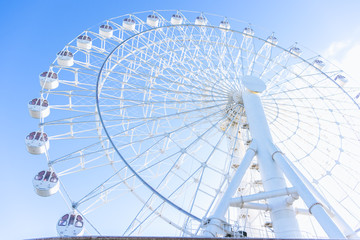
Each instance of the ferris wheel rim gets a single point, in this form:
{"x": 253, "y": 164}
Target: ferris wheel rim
{"x": 99, "y": 112}
{"x": 175, "y": 26}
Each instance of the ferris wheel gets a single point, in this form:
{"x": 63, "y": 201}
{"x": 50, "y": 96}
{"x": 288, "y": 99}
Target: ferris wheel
{"x": 185, "y": 124}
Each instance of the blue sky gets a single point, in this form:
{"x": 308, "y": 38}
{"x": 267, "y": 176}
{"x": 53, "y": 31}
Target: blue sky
{"x": 34, "y": 31}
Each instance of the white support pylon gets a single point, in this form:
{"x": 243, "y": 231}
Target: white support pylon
{"x": 214, "y": 226}
{"x": 273, "y": 165}
{"x": 282, "y": 214}
{"x": 316, "y": 208}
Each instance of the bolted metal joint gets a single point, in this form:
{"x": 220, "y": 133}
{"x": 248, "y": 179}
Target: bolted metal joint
{"x": 317, "y": 203}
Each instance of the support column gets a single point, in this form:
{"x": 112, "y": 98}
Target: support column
{"x": 316, "y": 208}
{"x": 283, "y": 216}
{"x": 214, "y": 227}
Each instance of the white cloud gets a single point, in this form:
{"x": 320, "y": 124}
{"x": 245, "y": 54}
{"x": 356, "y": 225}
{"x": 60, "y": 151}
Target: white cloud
{"x": 345, "y": 55}
{"x": 336, "y": 49}
{"x": 351, "y": 61}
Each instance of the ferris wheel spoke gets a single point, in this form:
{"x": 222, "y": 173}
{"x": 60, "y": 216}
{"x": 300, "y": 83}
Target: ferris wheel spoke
{"x": 330, "y": 134}
{"x": 307, "y": 111}
{"x": 182, "y": 128}
{"x": 212, "y": 46}
{"x": 319, "y": 167}
{"x": 69, "y": 93}
{"x": 85, "y": 73}
{"x": 316, "y": 85}
{"x": 202, "y": 172}
{"x": 80, "y": 67}
{"x": 318, "y": 88}
{"x": 309, "y": 134}
{"x": 310, "y": 125}
{"x": 264, "y": 54}
{"x": 304, "y": 142}
{"x": 247, "y": 50}
{"x": 136, "y": 224}
{"x": 156, "y": 210}
{"x": 141, "y": 89}
{"x": 134, "y": 127}
{"x": 103, "y": 195}
{"x": 270, "y": 93}
{"x": 296, "y": 72}
{"x": 190, "y": 56}
{"x": 87, "y": 65}
{"x": 219, "y": 56}
{"x": 210, "y": 81}
{"x": 79, "y": 85}
{"x": 178, "y": 113}
{"x": 290, "y": 153}
{"x": 234, "y": 64}
{"x": 142, "y": 50}
{"x": 186, "y": 126}
{"x": 102, "y": 189}
{"x": 195, "y": 171}
{"x": 82, "y": 165}
{"x": 90, "y": 196}
{"x": 206, "y": 76}
{"x": 77, "y": 133}
{"x": 342, "y": 184}
{"x": 305, "y": 108}
{"x": 70, "y": 108}
{"x": 163, "y": 79}
{"x": 79, "y": 168}
{"x": 83, "y": 152}
{"x": 351, "y": 212}
{"x": 68, "y": 119}
{"x": 279, "y": 60}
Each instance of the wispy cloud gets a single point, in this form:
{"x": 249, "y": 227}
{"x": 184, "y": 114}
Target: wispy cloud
{"x": 346, "y": 55}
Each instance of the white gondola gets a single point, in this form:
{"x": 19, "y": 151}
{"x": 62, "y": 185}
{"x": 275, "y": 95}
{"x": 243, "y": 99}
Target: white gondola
{"x": 357, "y": 97}
{"x": 318, "y": 64}
{"x": 84, "y": 42}
{"x": 341, "y": 80}
{"x": 224, "y": 24}
{"x": 37, "y": 142}
{"x": 152, "y": 20}
{"x": 65, "y": 58}
{"x": 200, "y": 20}
{"x": 295, "y": 51}
{"x": 71, "y": 224}
{"x": 106, "y": 31}
{"x": 249, "y": 31}
{"x": 239, "y": 234}
{"x": 49, "y": 80}
{"x": 46, "y": 183}
{"x": 176, "y": 19}
{"x": 39, "y": 108}
{"x": 272, "y": 40}
{"x": 129, "y": 24}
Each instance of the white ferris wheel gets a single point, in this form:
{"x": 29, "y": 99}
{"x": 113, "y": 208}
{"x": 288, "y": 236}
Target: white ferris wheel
{"x": 215, "y": 132}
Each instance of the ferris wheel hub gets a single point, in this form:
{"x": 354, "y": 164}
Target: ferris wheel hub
{"x": 237, "y": 98}
{"x": 234, "y": 109}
